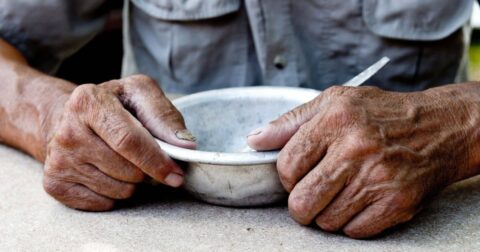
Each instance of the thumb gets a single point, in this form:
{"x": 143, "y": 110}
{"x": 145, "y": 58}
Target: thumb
{"x": 155, "y": 111}
{"x": 278, "y": 132}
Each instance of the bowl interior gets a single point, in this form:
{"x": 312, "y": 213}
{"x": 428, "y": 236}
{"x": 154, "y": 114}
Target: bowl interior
{"x": 221, "y": 125}
{"x": 221, "y": 119}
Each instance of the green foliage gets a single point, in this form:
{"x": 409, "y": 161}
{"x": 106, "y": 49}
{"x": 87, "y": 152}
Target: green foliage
{"x": 475, "y": 61}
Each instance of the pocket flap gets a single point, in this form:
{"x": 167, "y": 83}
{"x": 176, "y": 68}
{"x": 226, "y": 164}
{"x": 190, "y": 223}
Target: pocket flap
{"x": 425, "y": 20}
{"x": 187, "y": 10}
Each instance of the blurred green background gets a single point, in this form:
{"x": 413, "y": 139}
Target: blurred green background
{"x": 475, "y": 61}
{"x": 475, "y": 47}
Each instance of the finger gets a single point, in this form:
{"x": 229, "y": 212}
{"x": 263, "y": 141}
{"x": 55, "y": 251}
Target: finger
{"x": 126, "y": 136}
{"x": 113, "y": 164}
{"x": 303, "y": 152}
{"x": 154, "y": 110}
{"x": 345, "y": 206}
{"x": 277, "y": 133}
{"x": 318, "y": 188}
{"x": 102, "y": 184}
{"x": 76, "y": 196}
{"x": 375, "y": 219}
{"x": 86, "y": 147}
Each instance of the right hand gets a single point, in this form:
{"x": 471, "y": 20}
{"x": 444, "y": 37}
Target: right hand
{"x": 103, "y": 144}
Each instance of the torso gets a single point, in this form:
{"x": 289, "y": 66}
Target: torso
{"x": 195, "y": 45}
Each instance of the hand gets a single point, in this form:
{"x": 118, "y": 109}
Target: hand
{"x": 103, "y": 143}
{"x": 361, "y": 160}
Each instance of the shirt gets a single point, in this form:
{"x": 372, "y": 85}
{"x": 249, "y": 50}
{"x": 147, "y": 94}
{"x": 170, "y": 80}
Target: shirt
{"x": 48, "y": 31}
{"x": 194, "y": 45}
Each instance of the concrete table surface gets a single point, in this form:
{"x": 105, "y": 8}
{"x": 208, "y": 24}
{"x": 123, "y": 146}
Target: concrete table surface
{"x": 159, "y": 219}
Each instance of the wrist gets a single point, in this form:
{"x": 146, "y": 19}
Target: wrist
{"x": 51, "y": 118}
{"x": 50, "y": 111}
{"x": 464, "y": 106}
{"x": 31, "y": 104}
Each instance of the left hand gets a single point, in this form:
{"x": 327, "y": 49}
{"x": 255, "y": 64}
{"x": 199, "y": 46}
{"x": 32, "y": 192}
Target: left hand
{"x": 361, "y": 160}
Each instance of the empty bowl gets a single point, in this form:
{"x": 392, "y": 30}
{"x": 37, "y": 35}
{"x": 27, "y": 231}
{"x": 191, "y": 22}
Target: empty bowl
{"x": 223, "y": 170}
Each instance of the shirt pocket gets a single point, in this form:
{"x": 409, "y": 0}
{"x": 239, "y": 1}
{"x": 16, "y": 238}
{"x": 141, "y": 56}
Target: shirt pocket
{"x": 425, "y": 20}
{"x": 196, "y": 40}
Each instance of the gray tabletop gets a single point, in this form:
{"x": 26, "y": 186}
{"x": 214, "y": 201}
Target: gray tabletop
{"x": 159, "y": 219}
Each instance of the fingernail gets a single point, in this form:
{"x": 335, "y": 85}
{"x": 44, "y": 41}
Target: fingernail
{"x": 174, "y": 180}
{"x": 185, "y": 135}
{"x": 255, "y": 132}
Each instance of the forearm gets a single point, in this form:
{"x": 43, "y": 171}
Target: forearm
{"x": 29, "y": 101}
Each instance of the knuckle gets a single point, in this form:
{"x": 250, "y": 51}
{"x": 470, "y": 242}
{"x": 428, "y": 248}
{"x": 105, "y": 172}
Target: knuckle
{"x": 357, "y": 145}
{"x": 124, "y": 140}
{"x": 285, "y": 172}
{"x": 128, "y": 191}
{"x": 341, "y": 113}
{"x": 326, "y": 224}
{"x": 56, "y": 178}
{"x": 402, "y": 200}
{"x": 298, "y": 208}
{"x": 81, "y": 99}
{"x": 89, "y": 205}
{"x": 141, "y": 78}
{"x": 52, "y": 186}
{"x": 69, "y": 195}
{"x": 334, "y": 91}
{"x": 137, "y": 176}
{"x": 353, "y": 92}
{"x": 408, "y": 216}
{"x": 159, "y": 169}
{"x": 366, "y": 92}
{"x": 66, "y": 137}
{"x": 140, "y": 81}
{"x": 74, "y": 198}
{"x": 101, "y": 206}
{"x": 344, "y": 106}
{"x": 85, "y": 203}
{"x": 369, "y": 89}
{"x": 355, "y": 232}
{"x": 55, "y": 164}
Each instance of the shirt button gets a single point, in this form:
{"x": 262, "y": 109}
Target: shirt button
{"x": 279, "y": 62}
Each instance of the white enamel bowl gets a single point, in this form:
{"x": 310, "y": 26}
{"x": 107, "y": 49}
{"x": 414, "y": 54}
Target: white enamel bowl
{"x": 223, "y": 170}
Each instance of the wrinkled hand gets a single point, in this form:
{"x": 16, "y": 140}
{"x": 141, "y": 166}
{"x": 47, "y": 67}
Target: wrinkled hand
{"x": 103, "y": 143}
{"x": 361, "y": 160}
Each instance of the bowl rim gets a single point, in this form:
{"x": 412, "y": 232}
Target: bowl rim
{"x": 232, "y": 158}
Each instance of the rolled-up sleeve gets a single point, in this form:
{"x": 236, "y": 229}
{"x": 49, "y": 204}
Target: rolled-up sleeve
{"x": 48, "y": 31}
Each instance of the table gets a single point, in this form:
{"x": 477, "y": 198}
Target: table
{"x": 160, "y": 219}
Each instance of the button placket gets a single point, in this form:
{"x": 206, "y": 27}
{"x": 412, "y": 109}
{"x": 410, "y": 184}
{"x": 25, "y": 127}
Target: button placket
{"x": 281, "y": 68}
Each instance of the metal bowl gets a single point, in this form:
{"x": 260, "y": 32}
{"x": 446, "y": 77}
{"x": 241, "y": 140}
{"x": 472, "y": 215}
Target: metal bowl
{"x": 223, "y": 170}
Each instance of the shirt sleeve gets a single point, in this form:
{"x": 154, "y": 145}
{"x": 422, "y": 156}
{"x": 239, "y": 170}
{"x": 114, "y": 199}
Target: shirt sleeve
{"x": 48, "y": 31}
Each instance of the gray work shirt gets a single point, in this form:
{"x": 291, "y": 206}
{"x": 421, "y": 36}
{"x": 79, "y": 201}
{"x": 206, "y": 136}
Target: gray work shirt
{"x": 195, "y": 45}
